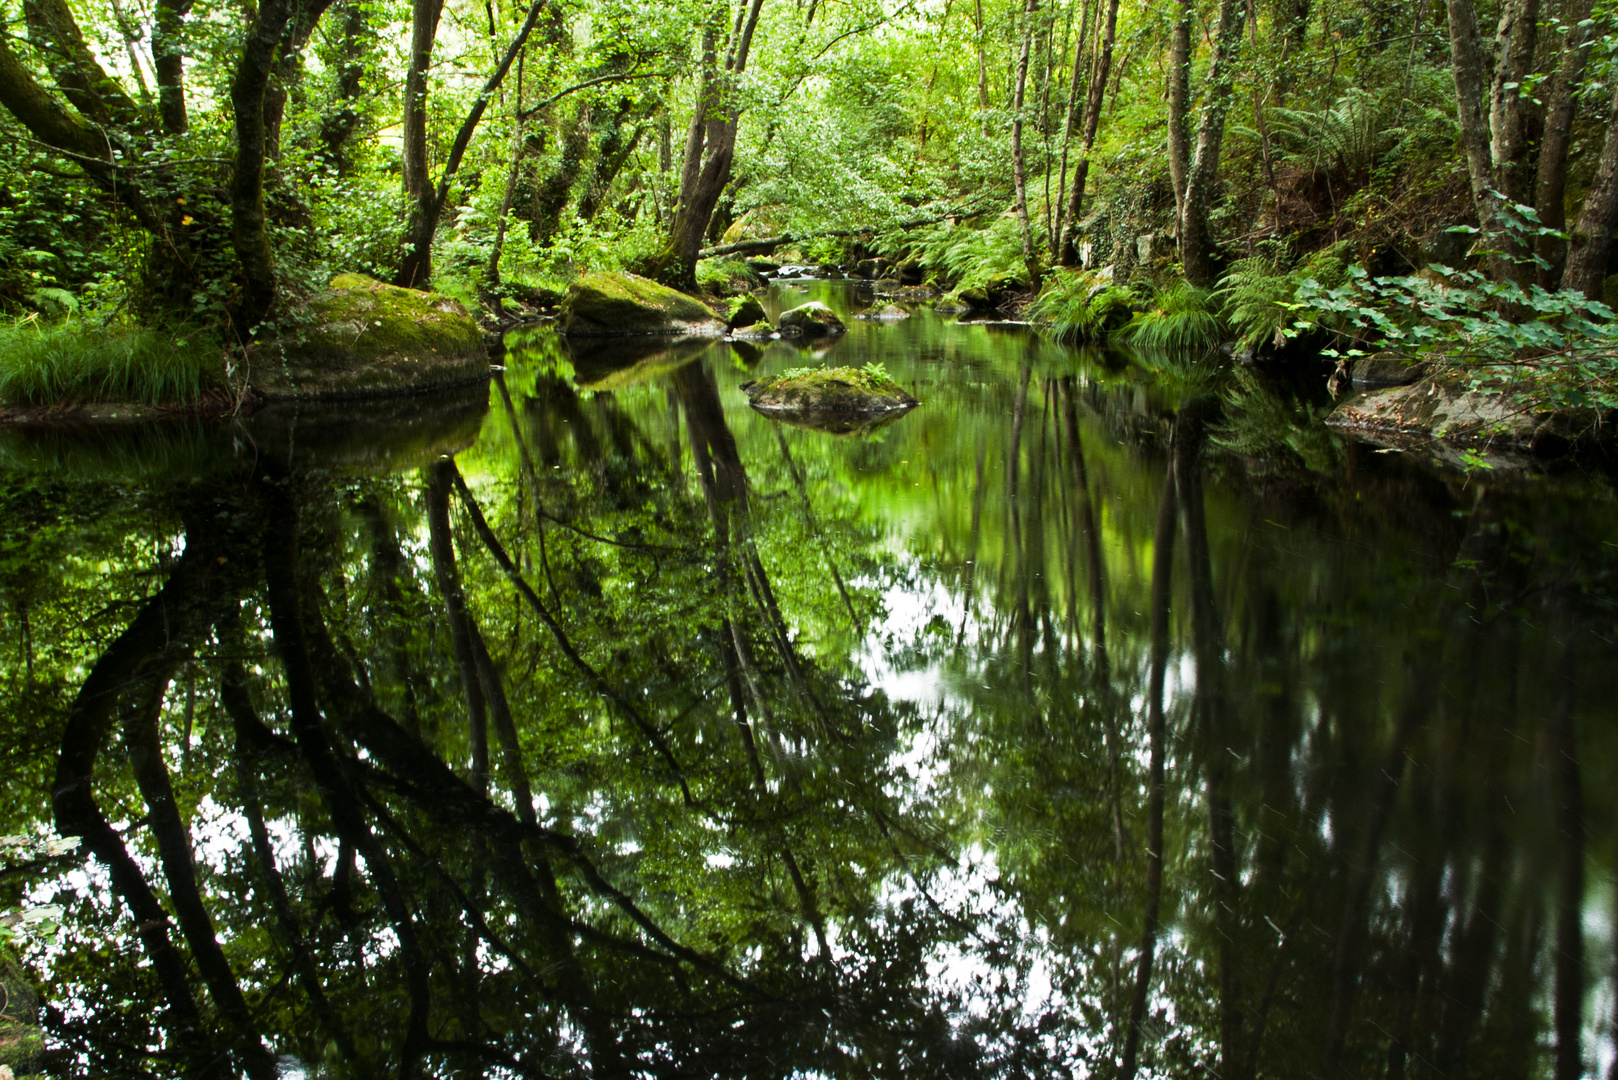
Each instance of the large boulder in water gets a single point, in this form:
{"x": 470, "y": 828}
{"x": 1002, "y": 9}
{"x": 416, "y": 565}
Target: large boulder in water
{"x": 813, "y": 319}
{"x": 627, "y": 305}
{"x": 366, "y": 339}
{"x": 842, "y": 391}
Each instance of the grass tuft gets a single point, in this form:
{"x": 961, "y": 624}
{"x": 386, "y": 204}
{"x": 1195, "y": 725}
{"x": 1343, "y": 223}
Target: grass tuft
{"x": 1182, "y": 316}
{"x": 74, "y": 364}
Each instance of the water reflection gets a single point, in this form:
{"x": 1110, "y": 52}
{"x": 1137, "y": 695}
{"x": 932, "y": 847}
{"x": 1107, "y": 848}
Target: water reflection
{"x": 1078, "y": 724}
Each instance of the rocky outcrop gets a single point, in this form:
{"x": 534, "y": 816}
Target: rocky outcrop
{"x": 813, "y": 319}
{"x": 1440, "y": 406}
{"x": 627, "y": 305}
{"x": 361, "y": 338}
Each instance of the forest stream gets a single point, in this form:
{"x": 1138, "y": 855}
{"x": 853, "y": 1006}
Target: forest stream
{"x": 1077, "y": 723}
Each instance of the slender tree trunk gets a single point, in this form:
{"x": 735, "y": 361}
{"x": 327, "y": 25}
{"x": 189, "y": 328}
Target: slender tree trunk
{"x": 1508, "y": 121}
{"x": 424, "y": 15}
{"x": 169, "y": 59}
{"x": 1592, "y": 236}
{"x": 1092, "y": 120}
{"x": 1550, "y": 188}
{"x": 491, "y": 272}
{"x": 1076, "y": 95}
{"x": 1467, "y": 66}
{"x": 1196, "y": 238}
{"x": 1179, "y": 103}
{"x": 258, "y": 284}
{"x": 337, "y": 127}
{"x": 979, "y": 29}
{"x": 417, "y": 268}
{"x": 1019, "y": 168}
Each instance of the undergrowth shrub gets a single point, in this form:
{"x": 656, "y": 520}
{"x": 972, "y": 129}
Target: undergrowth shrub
{"x": 1180, "y": 316}
{"x": 75, "y": 364}
{"x": 1079, "y": 306}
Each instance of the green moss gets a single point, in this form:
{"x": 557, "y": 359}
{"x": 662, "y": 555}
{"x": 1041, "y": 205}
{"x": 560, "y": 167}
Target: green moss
{"x": 841, "y": 389}
{"x": 626, "y": 305}
{"x": 362, "y": 338}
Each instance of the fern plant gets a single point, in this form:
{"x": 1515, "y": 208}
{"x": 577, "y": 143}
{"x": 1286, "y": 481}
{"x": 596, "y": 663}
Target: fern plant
{"x": 1078, "y": 306}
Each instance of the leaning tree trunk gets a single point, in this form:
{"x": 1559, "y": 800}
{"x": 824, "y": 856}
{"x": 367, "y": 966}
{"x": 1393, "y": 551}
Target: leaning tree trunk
{"x": 247, "y": 230}
{"x": 1196, "y": 237}
{"x": 1019, "y": 168}
{"x": 1092, "y": 120}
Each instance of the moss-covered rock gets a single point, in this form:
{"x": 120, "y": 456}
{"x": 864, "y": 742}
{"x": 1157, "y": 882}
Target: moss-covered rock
{"x": 973, "y": 299}
{"x": 813, "y": 319}
{"x": 842, "y": 391}
{"x": 744, "y": 311}
{"x": 885, "y": 313}
{"x": 366, "y": 339}
{"x": 627, "y": 305}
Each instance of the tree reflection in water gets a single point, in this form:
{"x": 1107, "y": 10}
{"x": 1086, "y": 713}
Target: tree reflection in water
{"x": 550, "y": 761}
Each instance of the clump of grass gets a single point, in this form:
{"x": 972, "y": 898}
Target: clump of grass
{"x": 1182, "y": 316}
{"x": 77, "y": 364}
{"x": 1082, "y": 306}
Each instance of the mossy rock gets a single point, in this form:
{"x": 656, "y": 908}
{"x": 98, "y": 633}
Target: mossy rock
{"x": 813, "y": 319}
{"x": 840, "y": 391}
{"x": 627, "y": 305}
{"x": 366, "y": 339}
{"x": 744, "y": 311}
{"x": 973, "y": 299}
{"x": 885, "y": 313}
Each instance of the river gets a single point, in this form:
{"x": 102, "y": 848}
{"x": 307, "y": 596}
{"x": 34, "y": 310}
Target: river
{"x": 1101, "y": 717}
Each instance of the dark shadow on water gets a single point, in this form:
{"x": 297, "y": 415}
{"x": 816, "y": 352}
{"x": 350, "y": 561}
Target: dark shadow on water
{"x": 362, "y": 437}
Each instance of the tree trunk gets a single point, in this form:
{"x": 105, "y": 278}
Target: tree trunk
{"x": 1196, "y": 239}
{"x": 424, "y": 15}
{"x": 1550, "y": 188}
{"x": 709, "y": 152}
{"x": 1019, "y": 168}
{"x": 1592, "y": 236}
{"x": 1179, "y": 95}
{"x": 258, "y": 289}
{"x": 337, "y": 127}
{"x": 77, "y": 72}
{"x": 1508, "y": 122}
{"x": 1092, "y": 120}
{"x": 1466, "y": 64}
{"x": 168, "y": 57}
{"x": 416, "y": 271}
{"x": 1076, "y": 95}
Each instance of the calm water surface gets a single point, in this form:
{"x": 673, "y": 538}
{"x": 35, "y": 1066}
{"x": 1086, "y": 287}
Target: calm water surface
{"x": 1095, "y": 719}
